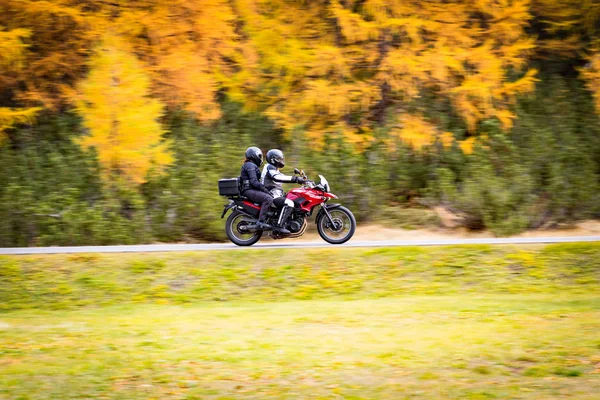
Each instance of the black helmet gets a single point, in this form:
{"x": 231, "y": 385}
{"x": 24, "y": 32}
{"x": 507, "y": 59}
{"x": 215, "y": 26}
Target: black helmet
{"x": 254, "y": 154}
{"x": 275, "y": 157}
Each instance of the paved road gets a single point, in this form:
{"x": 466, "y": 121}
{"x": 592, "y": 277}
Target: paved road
{"x": 288, "y": 245}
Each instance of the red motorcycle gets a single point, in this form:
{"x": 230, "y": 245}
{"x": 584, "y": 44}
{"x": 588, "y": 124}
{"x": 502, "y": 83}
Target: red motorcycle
{"x": 335, "y": 223}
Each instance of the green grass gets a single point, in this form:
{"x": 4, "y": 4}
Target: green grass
{"x": 83, "y": 280}
{"x": 464, "y": 322}
{"x": 422, "y": 347}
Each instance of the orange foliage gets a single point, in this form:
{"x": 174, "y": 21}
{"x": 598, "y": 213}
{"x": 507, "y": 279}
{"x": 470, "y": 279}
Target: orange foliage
{"x": 12, "y": 49}
{"x": 327, "y": 67}
{"x": 322, "y": 64}
{"x": 591, "y": 74}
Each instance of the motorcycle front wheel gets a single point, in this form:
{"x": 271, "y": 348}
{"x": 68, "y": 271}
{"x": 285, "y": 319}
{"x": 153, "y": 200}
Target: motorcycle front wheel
{"x": 235, "y": 232}
{"x": 342, "y": 228}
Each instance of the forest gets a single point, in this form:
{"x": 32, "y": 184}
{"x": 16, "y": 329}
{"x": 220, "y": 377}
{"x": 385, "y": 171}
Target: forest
{"x": 117, "y": 118}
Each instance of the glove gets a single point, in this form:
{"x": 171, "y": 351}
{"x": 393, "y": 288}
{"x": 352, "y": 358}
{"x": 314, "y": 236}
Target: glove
{"x": 300, "y": 180}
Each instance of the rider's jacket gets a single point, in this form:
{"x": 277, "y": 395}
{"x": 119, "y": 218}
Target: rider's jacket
{"x": 272, "y": 178}
{"x": 250, "y": 177}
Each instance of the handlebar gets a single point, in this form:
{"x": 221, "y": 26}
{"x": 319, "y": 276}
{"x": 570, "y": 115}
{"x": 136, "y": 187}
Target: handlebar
{"x": 309, "y": 183}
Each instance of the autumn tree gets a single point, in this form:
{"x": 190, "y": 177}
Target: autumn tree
{"x": 325, "y": 67}
{"x": 330, "y": 66}
{"x": 569, "y": 32}
{"x": 566, "y": 28}
{"x": 188, "y": 48}
{"x": 183, "y": 50}
{"x": 121, "y": 116}
{"x": 61, "y": 34}
{"x": 368, "y": 79}
{"x": 12, "y": 49}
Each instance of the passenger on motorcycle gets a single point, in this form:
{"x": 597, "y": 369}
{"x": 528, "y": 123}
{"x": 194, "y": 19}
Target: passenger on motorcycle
{"x": 272, "y": 178}
{"x": 252, "y": 188}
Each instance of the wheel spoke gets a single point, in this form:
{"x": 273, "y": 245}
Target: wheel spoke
{"x": 341, "y": 226}
{"x": 241, "y": 237}
{"x": 237, "y": 223}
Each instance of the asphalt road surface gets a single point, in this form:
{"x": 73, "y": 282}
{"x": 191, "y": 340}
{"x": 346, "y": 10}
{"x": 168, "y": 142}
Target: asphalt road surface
{"x": 288, "y": 245}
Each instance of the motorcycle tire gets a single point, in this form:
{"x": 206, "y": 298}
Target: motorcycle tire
{"x": 339, "y": 215}
{"x": 234, "y": 221}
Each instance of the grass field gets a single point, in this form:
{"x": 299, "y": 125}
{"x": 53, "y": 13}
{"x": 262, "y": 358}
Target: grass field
{"x": 465, "y": 322}
{"x": 83, "y": 280}
{"x": 473, "y": 347}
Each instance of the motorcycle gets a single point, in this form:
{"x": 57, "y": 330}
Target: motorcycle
{"x": 335, "y": 223}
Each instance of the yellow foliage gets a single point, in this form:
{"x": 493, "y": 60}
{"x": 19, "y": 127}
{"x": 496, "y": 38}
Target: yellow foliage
{"x": 467, "y": 145}
{"x": 524, "y": 85}
{"x": 12, "y": 47}
{"x": 187, "y": 47}
{"x": 591, "y": 74}
{"x": 506, "y": 118}
{"x": 121, "y": 116}
{"x": 566, "y": 22}
{"x": 570, "y": 23}
{"x": 12, "y": 53}
{"x": 330, "y": 67}
{"x": 62, "y": 32}
{"x": 354, "y": 28}
{"x": 315, "y": 63}
{"x": 415, "y": 131}
{"x": 9, "y": 117}
{"x": 447, "y": 138}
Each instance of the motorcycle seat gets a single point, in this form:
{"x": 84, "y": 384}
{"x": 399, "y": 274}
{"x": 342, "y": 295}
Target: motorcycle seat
{"x": 244, "y": 198}
{"x": 258, "y": 204}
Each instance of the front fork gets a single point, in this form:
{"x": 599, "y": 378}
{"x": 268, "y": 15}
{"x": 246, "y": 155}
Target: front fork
{"x": 328, "y": 215}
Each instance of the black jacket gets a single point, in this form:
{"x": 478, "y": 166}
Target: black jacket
{"x": 250, "y": 178}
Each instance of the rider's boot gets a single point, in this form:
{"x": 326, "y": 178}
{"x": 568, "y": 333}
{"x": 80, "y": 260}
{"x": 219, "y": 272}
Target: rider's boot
{"x": 283, "y": 217}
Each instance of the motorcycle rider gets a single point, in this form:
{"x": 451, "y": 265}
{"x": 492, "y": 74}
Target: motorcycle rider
{"x": 272, "y": 178}
{"x": 253, "y": 189}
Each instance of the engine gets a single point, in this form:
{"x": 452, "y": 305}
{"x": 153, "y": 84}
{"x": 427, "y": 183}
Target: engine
{"x": 296, "y": 224}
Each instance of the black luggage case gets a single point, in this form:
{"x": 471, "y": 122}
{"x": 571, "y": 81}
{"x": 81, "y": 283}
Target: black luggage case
{"x": 229, "y": 187}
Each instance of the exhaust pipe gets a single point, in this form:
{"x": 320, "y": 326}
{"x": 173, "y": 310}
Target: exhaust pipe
{"x": 251, "y": 228}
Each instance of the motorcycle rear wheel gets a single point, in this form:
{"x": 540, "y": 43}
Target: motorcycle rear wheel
{"x": 343, "y": 228}
{"x": 232, "y": 229}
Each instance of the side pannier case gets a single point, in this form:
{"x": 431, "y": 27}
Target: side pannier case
{"x": 229, "y": 187}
